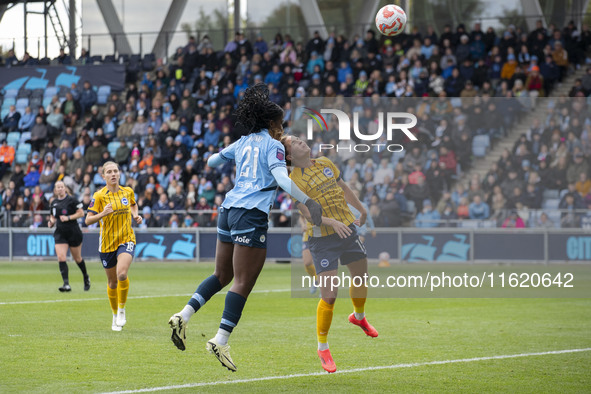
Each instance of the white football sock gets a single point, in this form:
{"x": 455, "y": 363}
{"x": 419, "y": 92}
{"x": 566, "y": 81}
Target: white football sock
{"x": 359, "y": 316}
{"x": 222, "y": 337}
{"x": 187, "y": 312}
{"x": 322, "y": 346}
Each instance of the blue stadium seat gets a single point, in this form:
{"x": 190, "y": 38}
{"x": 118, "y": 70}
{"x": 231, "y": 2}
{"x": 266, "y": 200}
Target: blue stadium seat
{"x": 109, "y": 59}
{"x": 456, "y": 102}
{"x": 551, "y": 203}
{"x": 8, "y": 101}
{"x": 12, "y": 138}
{"x": 3, "y": 136}
{"x": 548, "y": 193}
{"x": 103, "y": 94}
{"x": 4, "y": 112}
{"x": 479, "y": 151}
{"x": 21, "y": 157}
{"x": 46, "y": 102}
{"x": 481, "y": 140}
{"x": 25, "y": 136}
{"x": 24, "y": 147}
{"x": 554, "y": 216}
{"x": 96, "y": 59}
{"x": 112, "y": 147}
{"x": 21, "y": 104}
{"x": 50, "y": 91}
{"x": 11, "y": 93}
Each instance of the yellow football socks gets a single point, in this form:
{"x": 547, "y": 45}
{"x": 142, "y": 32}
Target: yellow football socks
{"x": 358, "y": 297}
{"x": 112, "y": 294}
{"x": 323, "y": 320}
{"x": 311, "y": 270}
{"x": 122, "y": 289}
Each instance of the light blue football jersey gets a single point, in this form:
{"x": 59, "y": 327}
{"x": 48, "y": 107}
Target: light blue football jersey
{"x": 256, "y": 155}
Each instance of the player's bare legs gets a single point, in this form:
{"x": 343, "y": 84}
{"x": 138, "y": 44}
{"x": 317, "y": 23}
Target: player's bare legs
{"x": 77, "y": 256}
{"x": 61, "y": 251}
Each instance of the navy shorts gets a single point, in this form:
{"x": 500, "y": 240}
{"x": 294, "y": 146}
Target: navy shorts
{"x": 241, "y": 226}
{"x": 327, "y": 251}
{"x": 109, "y": 259}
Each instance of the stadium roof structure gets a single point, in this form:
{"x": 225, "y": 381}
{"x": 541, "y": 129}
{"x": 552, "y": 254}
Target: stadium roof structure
{"x": 50, "y": 13}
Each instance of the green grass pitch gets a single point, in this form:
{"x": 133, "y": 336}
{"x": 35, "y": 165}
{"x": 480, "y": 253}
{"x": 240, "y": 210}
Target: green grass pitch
{"x": 68, "y": 346}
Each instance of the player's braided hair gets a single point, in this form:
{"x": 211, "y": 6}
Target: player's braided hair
{"x": 255, "y": 111}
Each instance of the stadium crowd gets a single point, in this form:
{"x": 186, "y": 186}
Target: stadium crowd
{"x": 170, "y": 119}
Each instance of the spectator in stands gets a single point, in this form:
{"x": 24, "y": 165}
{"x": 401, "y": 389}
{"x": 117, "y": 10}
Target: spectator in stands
{"x": 32, "y": 177}
{"x": 63, "y": 58}
{"x": 48, "y": 175}
{"x": 543, "y": 221}
{"x": 560, "y": 58}
{"x": 27, "y": 120}
{"x": 55, "y": 121}
{"x": 122, "y": 153}
{"x": 478, "y": 209}
{"x": 513, "y": 221}
{"x": 534, "y": 83}
{"x": 71, "y": 110}
{"x": 64, "y": 148}
{"x": 569, "y": 217}
{"x": 578, "y": 166}
{"x": 94, "y": 153}
{"x": 124, "y": 131}
{"x": 77, "y": 161}
{"x": 583, "y": 185}
{"x": 511, "y": 182}
{"x": 149, "y": 220}
{"x": 10, "y": 121}
{"x": 428, "y": 217}
{"x": 6, "y": 158}
{"x": 161, "y": 205}
{"x": 532, "y": 198}
{"x": 212, "y": 136}
{"x": 38, "y": 134}
{"x": 87, "y": 98}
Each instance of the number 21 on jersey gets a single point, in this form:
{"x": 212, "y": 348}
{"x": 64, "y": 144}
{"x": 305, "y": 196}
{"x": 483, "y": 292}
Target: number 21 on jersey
{"x": 246, "y": 165}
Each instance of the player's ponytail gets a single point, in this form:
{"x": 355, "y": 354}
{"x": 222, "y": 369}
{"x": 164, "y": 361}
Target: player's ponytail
{"x": 255, "y": 111}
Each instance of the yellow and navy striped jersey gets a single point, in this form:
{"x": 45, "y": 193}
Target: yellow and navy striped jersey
{"x": 319, "y": 182}
{"x": 115, "y": 229}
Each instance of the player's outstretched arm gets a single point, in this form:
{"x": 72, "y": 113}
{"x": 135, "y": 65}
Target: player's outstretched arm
{"x": 215, "y": 160}
{"x": 284, "y": 182}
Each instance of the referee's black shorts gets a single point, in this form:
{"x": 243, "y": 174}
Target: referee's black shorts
{"x": 72, "y": 237}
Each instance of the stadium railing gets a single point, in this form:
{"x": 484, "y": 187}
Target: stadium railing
{"x": 452, "y": 245}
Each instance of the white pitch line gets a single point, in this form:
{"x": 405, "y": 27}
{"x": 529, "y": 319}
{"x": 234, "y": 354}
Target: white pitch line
{"x": 129, "y": 298}
{"x": 395, "y": 366}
